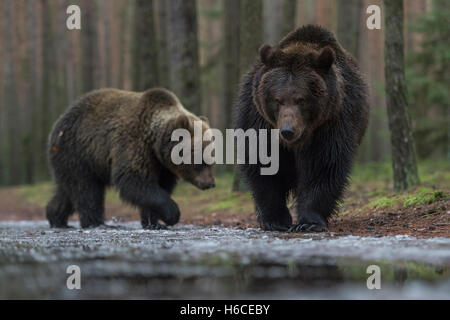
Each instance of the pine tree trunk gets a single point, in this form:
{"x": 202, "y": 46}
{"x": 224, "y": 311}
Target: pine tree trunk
{"x": 89, "y": 43}
{"x": 32, "y": 141}
{"x": 289, "y": 14}
{"x": 46, "y": 89}
{"x": 402, "y": 143}
{"x": 12, "y": 139}
{"x": 145, "y": 47}
{"x": 106, "y": 21}
{"x": 125, "y": 14}
{"x": 183, "y": 51}
{"x": 251, "y": 32}
{"x": 348, "y": 26}
{"x": 163, "y": 51}
{"x": 251, "y": 35}
{"x": 231, "y": 58}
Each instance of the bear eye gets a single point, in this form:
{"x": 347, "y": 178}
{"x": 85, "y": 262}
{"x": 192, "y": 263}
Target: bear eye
{"x": 278, "y": 101}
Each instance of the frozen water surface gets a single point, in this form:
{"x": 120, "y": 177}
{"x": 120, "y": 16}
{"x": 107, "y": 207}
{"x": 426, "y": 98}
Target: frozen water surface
{"x": 213, "y": 262}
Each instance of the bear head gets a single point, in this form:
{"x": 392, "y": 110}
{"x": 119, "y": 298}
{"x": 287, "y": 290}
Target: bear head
{"x": 198, "y": 174}
{"x": 297, "y": 89}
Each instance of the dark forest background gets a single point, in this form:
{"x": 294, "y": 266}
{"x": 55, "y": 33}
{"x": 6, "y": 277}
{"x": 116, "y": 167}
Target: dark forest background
{"x": 200, "y": 49}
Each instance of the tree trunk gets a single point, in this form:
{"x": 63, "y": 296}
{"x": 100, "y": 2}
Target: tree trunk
{"x": 402, "y": 143}
{"x": 46, "y": 89}
{"x": 163, "y": 51}
{"x": 106, "y": 22}
{"x": 231, "y": 58}
{"x": 89, "y": 37}
{"x": 183, "y": 51}
{"x": 31, "y": 140}
{"x": 124, "y": 21}
{"x": 349, "y": 18}
{"x": 145, "y": 47}
{"x": 273, "y": 20}
{"x": 12, "y": 140}
{"x": 251, "y": 32}
{"x": 251, "y": 38}
{"x": 289, "y": 15}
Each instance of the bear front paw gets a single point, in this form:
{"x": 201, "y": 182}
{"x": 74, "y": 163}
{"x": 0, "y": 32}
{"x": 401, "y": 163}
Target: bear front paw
{"x": 155, "y": 226}
{"x": 310, "y": 223}
{"x": 273, "y": 226}
{"x": 305, "y": 227}
{"x": 171, "y": 213}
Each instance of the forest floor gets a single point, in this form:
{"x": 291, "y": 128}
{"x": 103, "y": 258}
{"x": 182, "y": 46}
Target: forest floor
{"x": 370, "y": 207}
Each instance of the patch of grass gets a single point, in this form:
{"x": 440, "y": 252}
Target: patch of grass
{"x": 435, "y": 173}
{"x": 431, "y": 172}
{"x": 220, "y": 198}
{"x": 377, "y": 193}
{"x": 424, "y": 196}
{"x": 385, "y": 202}
{"x": 236, "y": 202}
{"x": 372, "y": 171}
{"x": 38, "y": 194}
{"x": 416, "y": 197}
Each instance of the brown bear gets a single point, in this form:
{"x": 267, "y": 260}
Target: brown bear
{"x": 120, "y": 138}
{"x": 311, "y": 89}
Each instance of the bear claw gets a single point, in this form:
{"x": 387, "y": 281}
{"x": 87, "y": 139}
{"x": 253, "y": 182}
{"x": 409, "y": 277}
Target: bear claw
{"x": 274, "y": 227}
{"x": 305, "y": 227}
{"x": 155, "y": 226}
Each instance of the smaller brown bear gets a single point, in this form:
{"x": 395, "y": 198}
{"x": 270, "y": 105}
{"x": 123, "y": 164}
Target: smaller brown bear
{"x": 121, "y": 138}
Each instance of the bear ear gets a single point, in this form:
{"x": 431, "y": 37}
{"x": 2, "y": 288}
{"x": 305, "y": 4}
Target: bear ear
{"x": 326, "y": 58}
{"x": 182, "y": 122}
{"x": 265, "y": 52}
{"x": 270, "y": 56}
{"x": 204, "y": 119}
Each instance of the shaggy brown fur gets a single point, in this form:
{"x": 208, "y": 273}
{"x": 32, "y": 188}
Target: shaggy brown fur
{"x": 120, "y": 138}
{"x": 311, "y": 89}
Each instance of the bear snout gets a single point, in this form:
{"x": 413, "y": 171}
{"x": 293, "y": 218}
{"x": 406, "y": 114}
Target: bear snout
{"x": 206, "y": 186}
{"x": 287, "y": 131}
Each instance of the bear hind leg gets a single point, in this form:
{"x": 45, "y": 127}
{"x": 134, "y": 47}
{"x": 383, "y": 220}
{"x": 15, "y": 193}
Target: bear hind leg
{"x": 59, "y": 209}
{"x": 90, "y": 204}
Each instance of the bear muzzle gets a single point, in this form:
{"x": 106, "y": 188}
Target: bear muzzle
{"x": 287, "y": 132}
{"x": 290, "y": 124}
{"x": 204, "y": 180}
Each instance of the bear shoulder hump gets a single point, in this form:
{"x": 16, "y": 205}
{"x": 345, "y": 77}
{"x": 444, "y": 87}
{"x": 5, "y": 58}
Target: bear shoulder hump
{"x": 159, "y": 98}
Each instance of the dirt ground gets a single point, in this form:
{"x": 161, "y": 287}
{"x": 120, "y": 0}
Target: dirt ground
{"x": 424, "y": 221}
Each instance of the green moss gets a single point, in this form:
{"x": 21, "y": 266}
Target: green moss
{"x": 416, "y": 197}
{"x": 385, "y": 202}
{"x": 424, "y": 196}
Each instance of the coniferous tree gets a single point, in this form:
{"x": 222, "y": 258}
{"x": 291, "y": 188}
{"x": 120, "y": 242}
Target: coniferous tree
{"x": 402, "y": 142}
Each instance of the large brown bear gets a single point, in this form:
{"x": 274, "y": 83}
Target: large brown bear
{"x": 120, "y": 138}
{"x": 310, "y": 89}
